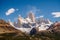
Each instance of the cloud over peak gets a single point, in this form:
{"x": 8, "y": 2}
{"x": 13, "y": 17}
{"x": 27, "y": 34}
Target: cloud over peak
{"x": 10, "y": 11}
{"x": 56, "y": 14}
{"x": 40, "y": 16}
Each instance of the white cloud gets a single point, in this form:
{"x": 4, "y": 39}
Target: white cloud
{"x": 56, "y": 14}
{"x": 10, "y": 11}
{"x": 40, "y": 16}
{"x": 33, "y": 9}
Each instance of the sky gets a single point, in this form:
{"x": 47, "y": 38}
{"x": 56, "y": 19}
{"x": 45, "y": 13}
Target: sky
{"x": 10, "y": 9}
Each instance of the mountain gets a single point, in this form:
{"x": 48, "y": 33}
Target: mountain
{"x": 10, "y": 23}
{"x": 55, "y": 27}
{"x": 53, "y": 33}
{"x": 6, "y": 31}
{"x": 6, "y": 27}
{"x": 24, "y": 24}
{"x": 43, "y": 20}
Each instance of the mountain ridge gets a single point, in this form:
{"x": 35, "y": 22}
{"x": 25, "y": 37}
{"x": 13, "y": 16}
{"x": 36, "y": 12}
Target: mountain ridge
{"x": 15, "y": 34}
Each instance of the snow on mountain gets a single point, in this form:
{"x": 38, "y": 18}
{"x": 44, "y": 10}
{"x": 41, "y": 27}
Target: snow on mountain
{"x": 43, "y": 23}
{"x": 26, "y": 24}
{"x": 43, "y": 26}
{"x": 26, "y": 30}
{"x": 10, "y": 23}
{"x": 43, "y": 20}
{"x": 28, "y": 20}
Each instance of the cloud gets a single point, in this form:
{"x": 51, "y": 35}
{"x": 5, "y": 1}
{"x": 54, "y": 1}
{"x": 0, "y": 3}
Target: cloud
{"x": 33, "y": 9}
{"x": 10, "y": 11}
{"x": 40, "y": 16}
{"x": 56, "y": 14}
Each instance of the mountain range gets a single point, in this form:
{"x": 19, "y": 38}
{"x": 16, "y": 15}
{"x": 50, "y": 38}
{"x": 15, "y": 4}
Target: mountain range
{"x": 9, "y": 32}
{"x": 26, "y": 26}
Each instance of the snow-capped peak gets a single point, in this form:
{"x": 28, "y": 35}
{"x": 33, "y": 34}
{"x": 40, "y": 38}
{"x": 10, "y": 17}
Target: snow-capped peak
{"x": 26, "y": 24}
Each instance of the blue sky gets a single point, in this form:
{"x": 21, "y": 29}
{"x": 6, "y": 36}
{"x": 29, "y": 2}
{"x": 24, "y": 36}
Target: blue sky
{"x": 47, "y": 8}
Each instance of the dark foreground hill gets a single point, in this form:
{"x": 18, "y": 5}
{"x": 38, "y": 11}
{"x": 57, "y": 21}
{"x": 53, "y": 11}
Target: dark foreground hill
{"x": 7, "y": 32}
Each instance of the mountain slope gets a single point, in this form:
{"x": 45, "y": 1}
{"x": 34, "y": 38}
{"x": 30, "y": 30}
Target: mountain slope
{"x": 6, "y": 27}
{"x": 8, "y": 32}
